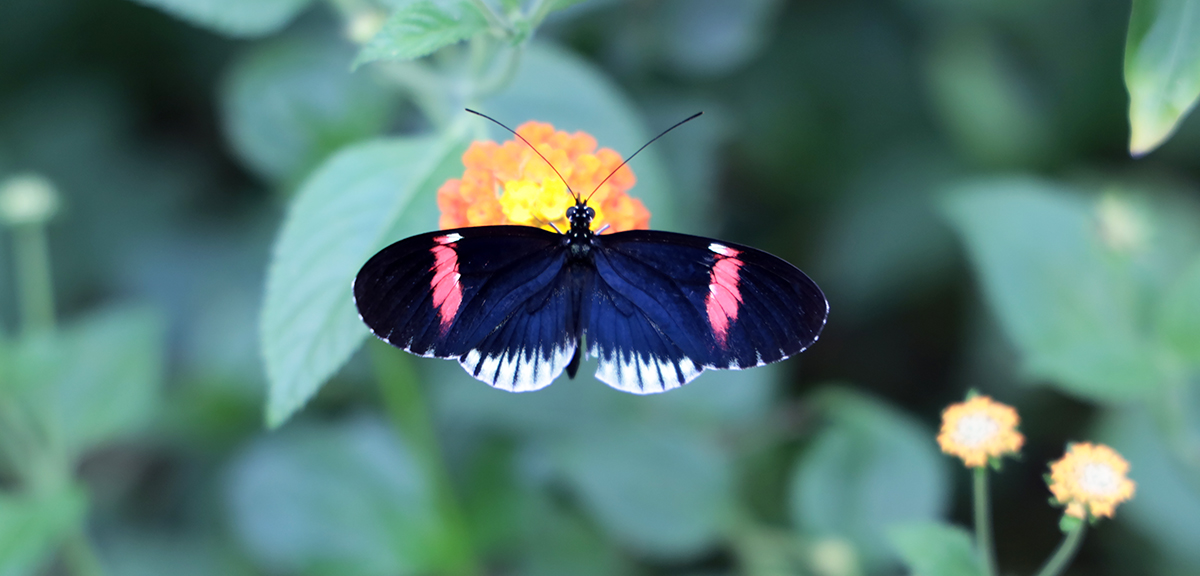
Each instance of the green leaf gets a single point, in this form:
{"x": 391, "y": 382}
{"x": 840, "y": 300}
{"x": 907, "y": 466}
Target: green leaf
{"x": 1179, "y": 315}
{"x": 146, "y": 551}
{"x": 1162, "y": 69}
{"x": 357, "y": 202}
{"x": 420, "y": 29}
{"x": 32, "y": 527}
{"x": 237, "y": 18}
{"x": 93, "y": 382}
{"x": 1165, "y": 509}
{"x": 558, "y": 542}
{"x": 289, "y": 103}
{"x": 1069, "y": 305}
{"x": 654, "y": 487}
{"x": 935, "y": 549}
{"x": 870, "y": 468}
{"x": 346, "y": 499}
{"x": 555, "y": 86}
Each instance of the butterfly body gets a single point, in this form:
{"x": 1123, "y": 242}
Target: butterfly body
{"x": 516, "y": 305}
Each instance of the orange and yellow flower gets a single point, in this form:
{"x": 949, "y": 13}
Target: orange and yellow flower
{"x": 980, "y": 429}
{"x": 1090, "y": 480}
{"x": 509, "y": 184}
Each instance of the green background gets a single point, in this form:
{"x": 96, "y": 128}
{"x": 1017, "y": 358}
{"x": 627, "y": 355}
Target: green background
{"x": 955, "y": 174}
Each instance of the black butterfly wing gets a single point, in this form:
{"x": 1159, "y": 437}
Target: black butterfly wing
{"x": 496, "y": 298}
{"x": 665, "y": 307}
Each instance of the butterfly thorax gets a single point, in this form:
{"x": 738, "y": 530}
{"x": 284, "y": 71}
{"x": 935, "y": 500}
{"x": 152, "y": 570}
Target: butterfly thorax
{"x": 580, "y": 236}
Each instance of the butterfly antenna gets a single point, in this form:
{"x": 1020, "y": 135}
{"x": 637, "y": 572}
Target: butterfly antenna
{"x": 626, "y": 161}
{"x": 534, "y": 148}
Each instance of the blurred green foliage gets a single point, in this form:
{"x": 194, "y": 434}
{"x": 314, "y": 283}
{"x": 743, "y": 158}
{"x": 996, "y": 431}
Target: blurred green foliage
{"x": 956, "y": 176}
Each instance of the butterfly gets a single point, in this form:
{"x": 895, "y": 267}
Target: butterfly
{"x": 516, "y": 305}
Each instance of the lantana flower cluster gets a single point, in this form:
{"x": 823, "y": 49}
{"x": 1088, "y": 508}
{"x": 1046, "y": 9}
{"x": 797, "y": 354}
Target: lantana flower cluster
{"x": 509, "y": 183}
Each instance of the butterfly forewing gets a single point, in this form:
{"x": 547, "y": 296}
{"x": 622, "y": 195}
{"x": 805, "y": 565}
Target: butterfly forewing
{"x": 496, "y": 298}
{"x": 668, "y": 306}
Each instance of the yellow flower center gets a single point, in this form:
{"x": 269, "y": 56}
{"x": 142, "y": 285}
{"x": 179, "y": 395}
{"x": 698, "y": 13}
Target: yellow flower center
{"x": 975, "y": 430}
{"x": 535, "y": 203}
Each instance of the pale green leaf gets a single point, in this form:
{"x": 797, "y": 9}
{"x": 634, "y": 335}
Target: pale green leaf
{"x": 95, "y": 380}
{"x": 936, "y": 549}
{"x": 32, "y": 527}
{"x": 1067, "y": 303}
{"x": 356, "y": 203}
{"x": 1179, "y": 315}
{"x": 289, "y": 103}
{"x": 655, "y": 488}
{"x": 559, "y": 542}
{"x": 349, "y": 499}
{"x": 1165, "y": 509}
{"x": 420, "y": 29}
{"x": 1162, "y": 69}
{"x": 239, "y": 18}
{"x": 870, "y": 468}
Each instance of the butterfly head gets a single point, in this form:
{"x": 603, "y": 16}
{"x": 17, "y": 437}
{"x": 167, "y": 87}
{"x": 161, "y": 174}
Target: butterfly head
{"x": 580, "y": 215}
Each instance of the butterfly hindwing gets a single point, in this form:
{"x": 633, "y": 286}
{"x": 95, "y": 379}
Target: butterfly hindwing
{"x": 497, "y": 298}
{"x": 667, "y": 306}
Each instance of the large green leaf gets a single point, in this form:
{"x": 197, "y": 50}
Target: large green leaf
{"x": 870, "y": 468}
{"x": 420, "y": 29}
{"x": 239, "y": 18}
{"x": 346, "y": 499}
{"x": 354, "y": 204}
{"x": 1179, "y": 315}
{"x": 1165, "y": 510}
{"x": 558, "y": 87}
{"x": 936, "y": 549}
{"x": 558, "y": 542}
{"x": 1066, "y": 302}
{"x": 1162, "y": 69}
{"x": 92, "y": 382}
{"x": 289, "y": 103}
{"x": 656, "y": 488}
{"x": 32, "y": 526}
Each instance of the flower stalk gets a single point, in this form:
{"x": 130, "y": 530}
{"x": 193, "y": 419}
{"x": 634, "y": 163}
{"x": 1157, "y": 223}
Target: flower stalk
{"x": 1065, "y": 552}
{"x": 983, "y": 522}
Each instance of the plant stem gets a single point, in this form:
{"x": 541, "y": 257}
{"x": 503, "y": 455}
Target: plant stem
{"x": 540, "y": 11}
{"x": 983, "y": 522}
{"x": 1066, "y": 551}
{"x": 494, "y": 21}
{"x": 501, "y": 77}
{"x": 35, "y": 292}
{"x": 406, "y": 405}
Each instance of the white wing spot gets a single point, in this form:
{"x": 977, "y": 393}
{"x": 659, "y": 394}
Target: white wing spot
{"x": 719, "y": 249}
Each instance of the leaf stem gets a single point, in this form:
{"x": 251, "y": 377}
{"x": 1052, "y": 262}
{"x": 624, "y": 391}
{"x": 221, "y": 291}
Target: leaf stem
{"x": 1066, "y": 551}
{"x": 35, "y": 291}
{"x": 405, "y": 404}
{"x": 983, "y": 522}
{"x": 493, "y": 19}
{"x": 500, "y": 79}
{"x": 539, "y": 12}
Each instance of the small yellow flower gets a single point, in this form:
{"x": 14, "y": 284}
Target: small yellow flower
{"x": 509, "y": 184}
{"x": 1090, "y": 480}
{"x": 978, "y": 430}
